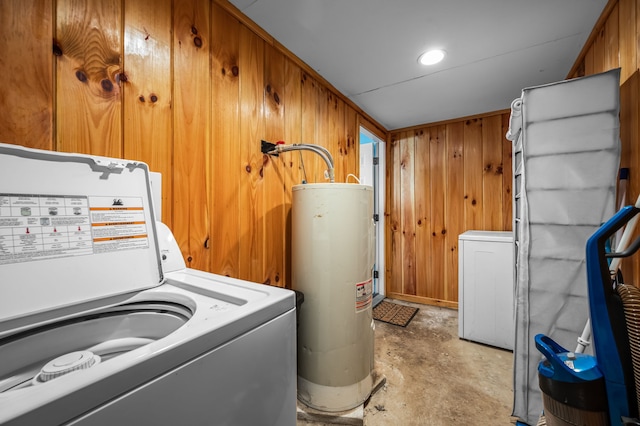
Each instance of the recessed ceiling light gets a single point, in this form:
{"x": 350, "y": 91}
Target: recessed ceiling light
{"x": 431, "y": 57}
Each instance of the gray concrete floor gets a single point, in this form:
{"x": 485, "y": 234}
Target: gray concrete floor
{"x": 433, "y": 378}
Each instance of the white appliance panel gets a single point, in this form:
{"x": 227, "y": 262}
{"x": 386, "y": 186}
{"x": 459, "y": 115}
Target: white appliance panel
{"x": 485, "y": 311}
{"x": 219, "y": 387}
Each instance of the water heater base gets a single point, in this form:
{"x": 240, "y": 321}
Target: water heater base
{"x": 332, "y": 398}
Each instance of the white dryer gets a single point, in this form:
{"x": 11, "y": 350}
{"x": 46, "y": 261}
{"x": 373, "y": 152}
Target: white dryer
{"x": 101, "y": 323}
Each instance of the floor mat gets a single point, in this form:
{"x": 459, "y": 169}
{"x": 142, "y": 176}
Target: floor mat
{"x": 394, "y": 313}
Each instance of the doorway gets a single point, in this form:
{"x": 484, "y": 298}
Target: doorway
{"x": 372, "y": 167}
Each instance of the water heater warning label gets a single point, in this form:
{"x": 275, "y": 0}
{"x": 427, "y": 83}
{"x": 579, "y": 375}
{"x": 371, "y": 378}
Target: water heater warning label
{"x": 364, "y": 294}
{"x": 37, "y": 226}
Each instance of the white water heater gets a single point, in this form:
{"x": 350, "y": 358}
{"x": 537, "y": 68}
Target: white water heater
{"x": 333, "y": 252}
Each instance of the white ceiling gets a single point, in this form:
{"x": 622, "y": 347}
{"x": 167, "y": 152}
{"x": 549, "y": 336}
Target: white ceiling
{"x": 368, "y": 49}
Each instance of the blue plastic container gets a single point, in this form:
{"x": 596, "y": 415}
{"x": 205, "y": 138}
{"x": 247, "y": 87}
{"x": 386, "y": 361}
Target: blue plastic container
{"x": 572, "y": 385}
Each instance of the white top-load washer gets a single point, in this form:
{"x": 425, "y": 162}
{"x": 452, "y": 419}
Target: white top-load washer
{"x": 101, "y": 323}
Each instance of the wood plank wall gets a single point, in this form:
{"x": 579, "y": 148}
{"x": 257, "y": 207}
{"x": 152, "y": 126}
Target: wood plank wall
{"x": 189, "y": 87}
{"x": 443, "y": 179}
{"x": 615, "y": 42}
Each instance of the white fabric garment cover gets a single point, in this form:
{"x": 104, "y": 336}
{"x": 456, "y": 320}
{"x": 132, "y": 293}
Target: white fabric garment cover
{"x": 570, "y": 152}
{"x": 515, "y": 120}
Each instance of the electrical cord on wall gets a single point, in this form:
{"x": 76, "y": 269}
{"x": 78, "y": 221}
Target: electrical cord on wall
{"x": 304, "y": 171}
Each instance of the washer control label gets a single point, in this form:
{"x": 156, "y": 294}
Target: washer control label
{"x": 35, "y": 226}
{"x": 364, "y": 294}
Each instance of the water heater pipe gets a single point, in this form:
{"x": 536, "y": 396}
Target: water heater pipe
{"x": 321, "y": 151}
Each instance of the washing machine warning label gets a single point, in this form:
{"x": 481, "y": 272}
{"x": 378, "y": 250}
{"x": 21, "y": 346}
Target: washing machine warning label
{"x": 364, "y": 294}
{"x": 118, "y": 223}
{"x": 38, "y": 227}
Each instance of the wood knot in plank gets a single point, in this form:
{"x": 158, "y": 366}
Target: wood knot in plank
{"x": 235, "y": 70}
{"x": 197, "y": 41}
{"x": 98, "y": 59}
{"x": 57, "y": 50}
{"x": 80, "y": 75}
{"x": 106, "y": 85}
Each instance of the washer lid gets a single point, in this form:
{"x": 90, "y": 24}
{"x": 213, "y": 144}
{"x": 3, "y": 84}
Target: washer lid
{"x": 500, "y": 236}
{"x": 73, "y": 228}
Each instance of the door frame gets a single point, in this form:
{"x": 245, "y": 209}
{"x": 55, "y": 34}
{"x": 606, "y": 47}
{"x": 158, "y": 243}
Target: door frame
{"x": 372, "y": 172}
